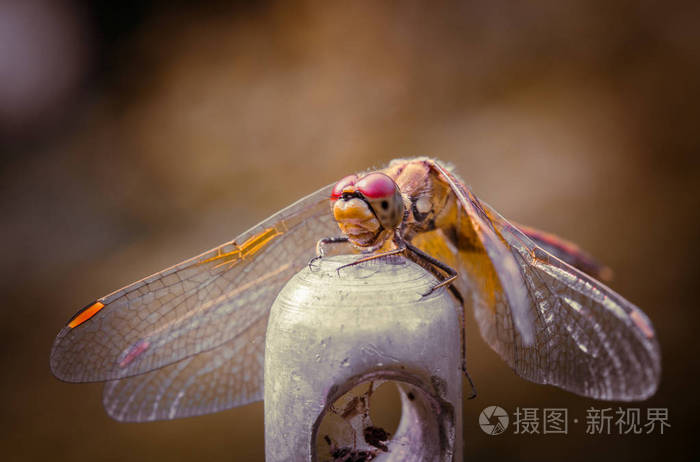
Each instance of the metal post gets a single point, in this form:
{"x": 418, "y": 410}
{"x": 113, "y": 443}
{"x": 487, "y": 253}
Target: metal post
{"x": 330, "y": 331}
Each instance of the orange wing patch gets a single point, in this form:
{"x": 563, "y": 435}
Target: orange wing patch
{"x": 251, "y": 246}
{"x": 85, "y": 314}
{"x": 248, "y": 248}
{"x": 473, "y": 260}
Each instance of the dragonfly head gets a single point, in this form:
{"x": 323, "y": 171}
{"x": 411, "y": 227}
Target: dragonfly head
{"x": 367, "y": 209}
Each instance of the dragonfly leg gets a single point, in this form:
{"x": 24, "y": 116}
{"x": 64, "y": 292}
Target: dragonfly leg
{"x": 452, "y": 274}
{"x": 471, "y": 384}
{"x": 401, "y": 248}
{"x": 320, "y": 250}
{"x": 464, "y": 341}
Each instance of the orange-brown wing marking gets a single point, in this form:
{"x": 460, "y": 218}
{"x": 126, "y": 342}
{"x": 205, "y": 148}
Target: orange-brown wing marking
{"x": 196, "y": 305}
{"x": 585, "y": 337}
{"x": 589, "y": 339}
{"x": 458, "y": 251}
{"x": 471, "y": 219}
{"x": 247, "y": 248}
{"x": 478, "y": 282}
{"x": 85, "y": 314}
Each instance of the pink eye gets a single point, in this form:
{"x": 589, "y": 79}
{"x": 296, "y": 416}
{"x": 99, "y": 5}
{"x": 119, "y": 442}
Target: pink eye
{"x": 342, "y": 184}
{"x": 376, "y": 185}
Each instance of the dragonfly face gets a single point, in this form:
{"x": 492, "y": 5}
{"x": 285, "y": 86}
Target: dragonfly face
{"x": 367, "y": 209}
{"x": 407, "y": 195}
{"x": 189, "y": 340}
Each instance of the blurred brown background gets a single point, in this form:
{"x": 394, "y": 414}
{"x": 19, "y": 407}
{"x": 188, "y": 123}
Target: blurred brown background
{"x": 137, "y": 135}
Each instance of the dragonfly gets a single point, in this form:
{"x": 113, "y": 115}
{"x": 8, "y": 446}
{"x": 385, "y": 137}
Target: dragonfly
{"x": 189, "y": 340}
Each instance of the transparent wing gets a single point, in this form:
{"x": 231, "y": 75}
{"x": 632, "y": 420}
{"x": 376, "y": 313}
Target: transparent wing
{"x": 586, "y": 338}
{"x": 227, "y": 376}
{"x": 567, "y": 251}
{"x": 590, "y": 340}
{"x": 194, "y": 306}
{"x": 496, "y": 265}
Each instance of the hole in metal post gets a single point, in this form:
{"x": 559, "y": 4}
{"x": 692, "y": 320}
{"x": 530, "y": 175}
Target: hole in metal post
{"x": 360, "y": 423}
{"x": 385, "y": 407}
{"x": 383, "y": 420}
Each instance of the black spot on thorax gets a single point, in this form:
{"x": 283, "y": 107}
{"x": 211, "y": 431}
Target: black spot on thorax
{"x": 460, "y": 241}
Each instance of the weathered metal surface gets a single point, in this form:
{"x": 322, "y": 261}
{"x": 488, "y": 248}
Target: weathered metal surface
{"x": 329, "y": 331}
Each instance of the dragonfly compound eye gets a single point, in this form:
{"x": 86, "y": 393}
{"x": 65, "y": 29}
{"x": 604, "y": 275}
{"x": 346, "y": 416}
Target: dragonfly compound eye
{"x": 383, "y": 195}
{"x": 341, "y": 185}
{"x": 377, "y": 186}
